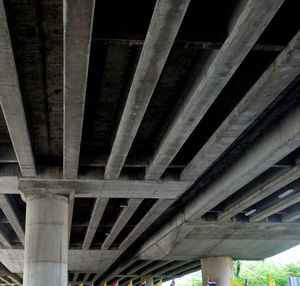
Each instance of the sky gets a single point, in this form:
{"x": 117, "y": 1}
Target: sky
{"x": 288, "y": 256}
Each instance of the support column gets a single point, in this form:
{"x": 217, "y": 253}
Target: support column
{"x": 46, "y": 240}
{"x": 149, "y": 280}
{"x": 217, "y": 269}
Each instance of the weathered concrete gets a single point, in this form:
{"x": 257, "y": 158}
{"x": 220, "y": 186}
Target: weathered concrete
{"x": 269, "y": 149}
{"x": 97, "y": 213}
{"x": 11, "y": 101}
{"x": 152, "y": 215}
{"x": 123, "y": 218}
{"x": 46, "y": 241}
{"x": 217, "y": 269}
{"x": 275, "y": 79}
{"x": 4, "y": 241}
{"x": 259, "y": 190}
{"x": 78, "y": 23}
{"x": 274, "y": 206}
{"x": 249, "y": 22}
{"x": 165, "y": 23}
{"x": 12, "y": 217}
{"x": 91, "y": 188}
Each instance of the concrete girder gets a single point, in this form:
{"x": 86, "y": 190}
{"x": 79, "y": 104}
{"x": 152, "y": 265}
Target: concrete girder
{"x": 78, "y": 24}
{"x": 275, "y": 206}
{"x": 152, "y": 215}
{"x": 270, "y": 148}
{"x": 138, "y": 267}
{"x": 11, "y": 101}
{"x": 275, "y": 79}
{"x": 165, "y": 23}
{"x": 12, "y": 218}
{"x": 260, "y": 190}
{"x": 218, "y": 70}
{"x": 151, "y": 270}
{"x": 92, "y": 188}
{"x": 290, "y": 217}
{"x": 97, "y": 214}
{"x": 123, "y": 218}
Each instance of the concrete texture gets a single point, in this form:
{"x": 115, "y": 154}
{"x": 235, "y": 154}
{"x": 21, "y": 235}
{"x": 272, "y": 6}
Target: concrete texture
{"x": 78, "y": 260}
{"x": 78, "y": 24}
{"x": 212, "y": 79}
{"x": 217, "y": 269}
{"x": 11, "y": 101}
{"x": 275, "y": 79}
{"x": 165, "y": 23}
{"x": 46, "y": 241}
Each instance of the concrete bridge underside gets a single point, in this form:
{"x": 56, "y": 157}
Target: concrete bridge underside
{"x": 146, "y": 138}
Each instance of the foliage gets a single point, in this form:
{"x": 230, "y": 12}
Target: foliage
{"x": 257, "y": 273}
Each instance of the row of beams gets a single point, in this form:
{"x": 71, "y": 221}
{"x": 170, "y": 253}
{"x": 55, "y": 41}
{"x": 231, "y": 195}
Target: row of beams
{"x": 123, "y": 218}
{"x": 78, "y": 25}
{"x": 12, "y": 217}
{"x": 152, "y": 269}
{"x": 170, "y": 268}
{"x": 98, "y": 211}
{"x": 152, "y": 215}
{"x": 164, "y": 25}
{"x": 138, "y": 267}
{"x": 274, "y": 80}
{"x": 268, "y": 149}
{"x": 212, "y": 79}
{"x": 11, "y": 101}
{"x": 274, "y": 206}
{"x": 259, "y": 191}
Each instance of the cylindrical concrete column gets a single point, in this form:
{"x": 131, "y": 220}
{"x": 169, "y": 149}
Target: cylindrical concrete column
{"x": 149, "y": 280}
{"x": 46, "y": 241}
{"x": 217, "y": 269}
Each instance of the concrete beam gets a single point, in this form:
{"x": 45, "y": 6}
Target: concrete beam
{"x": 186, "y": 268}
{"x": 170, "y": 268}
{"x": 98, "y": 211}
{"x": 15, "y": 279}
{"x": 152, "y": 215}
{"x": 290, "y": 217}
{"x": 275, "y": 206}
{"x": 78, "y": 24}
{"x": 12, "y": 217}
{"x": 151, "y": 270}
{"x": 256, "y": 192}
{"x": 138, "y": 267}
{"x": 85, "y": 279}
{"x": 75, "y": 277}
{"x": 274, "y": 80}
{"x": 212, "y": 79}
{"x": 11, "y": 101}
{"x": 123, "y": 218}
{"x": 4, "y": 241}
{"x": 9, "y": 185}
{"x": 165, "y": 23}
{"x": 270, "y": 148}
{"x": 107, "y": 188}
